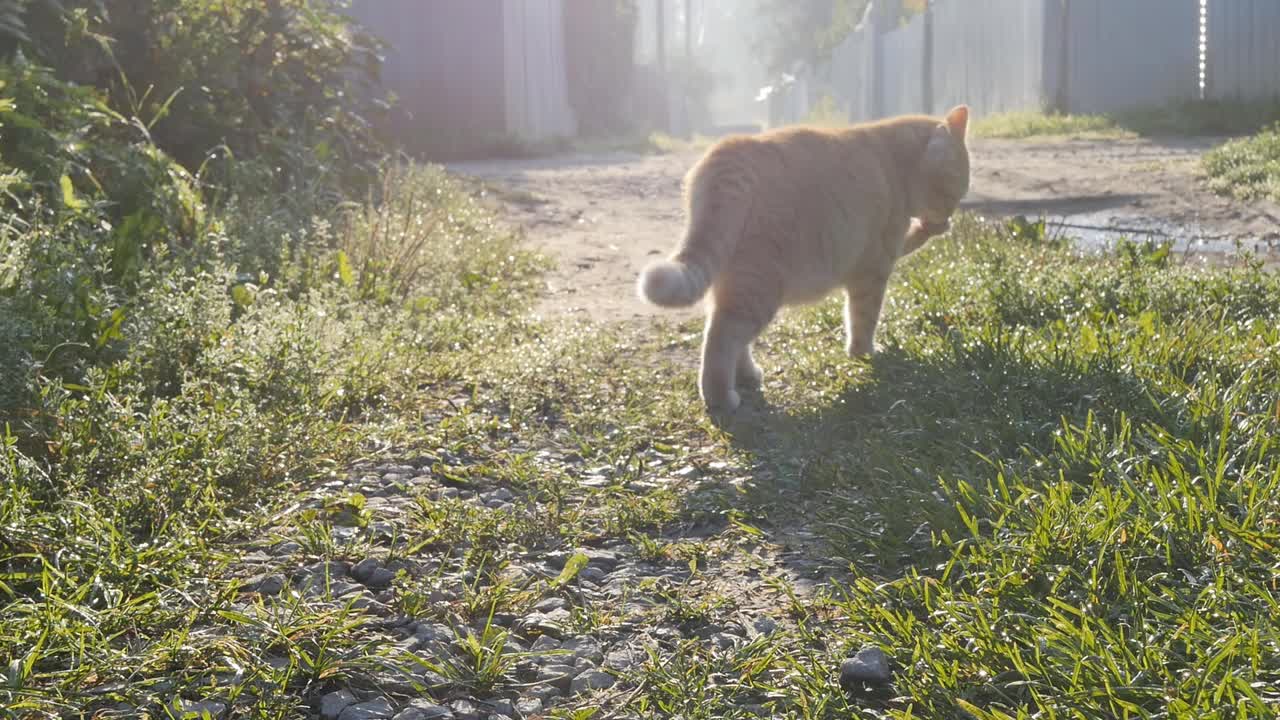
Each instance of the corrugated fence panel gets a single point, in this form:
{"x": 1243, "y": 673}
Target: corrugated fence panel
{"x": 444, "y": 64}
{"x": 537, "y": 96}
{"x": 1243, "y": 50}
{"x": 902, "y": 89}
{"x": 989, "y": 54}
{"x": 1131, "y": 53}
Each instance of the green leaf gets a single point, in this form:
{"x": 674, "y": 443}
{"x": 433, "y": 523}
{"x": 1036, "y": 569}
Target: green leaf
{"x": 345, "y": 274}
{"x": 109, "y": 329}
{"x": 572, "y": 567}
{"x": 242, "y": 296}
{"x": 1147, "y": 321}
{"x": 1089, "y": 340}
{"x": 69, "y": 197}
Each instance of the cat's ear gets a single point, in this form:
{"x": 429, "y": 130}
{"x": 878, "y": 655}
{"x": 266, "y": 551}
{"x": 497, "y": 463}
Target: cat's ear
{"x": 958, "y": 121}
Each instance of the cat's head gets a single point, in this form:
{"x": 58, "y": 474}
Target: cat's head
{"x": 944, "y": 169}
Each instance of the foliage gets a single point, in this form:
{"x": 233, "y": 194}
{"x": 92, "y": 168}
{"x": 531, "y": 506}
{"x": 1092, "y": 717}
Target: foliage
{"x": 798, "y": 33}
{"x": 1202, "y": 117}
{"x": 801, "y": 33}
{"x": 1186, "y": 118}
{"x": 14, "y": 17}
{"x": 1247, "y": 168}
{"x": 599, "y": 58}
{"x": 289, "y": 83}
{"x": 123, "y": 473}
{"x": 1035, "y": 124}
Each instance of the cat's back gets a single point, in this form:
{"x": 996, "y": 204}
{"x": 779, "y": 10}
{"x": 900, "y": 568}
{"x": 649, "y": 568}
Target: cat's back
{"x": 797, "y": 156}
{"x": 791, "y": 147}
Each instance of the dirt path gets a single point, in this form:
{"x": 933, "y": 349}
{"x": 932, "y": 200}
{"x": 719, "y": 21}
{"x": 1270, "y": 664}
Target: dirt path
{"x": 602, "y": 217}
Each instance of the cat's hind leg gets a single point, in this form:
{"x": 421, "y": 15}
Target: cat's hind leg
{"x": 730, "y": 331}
{"x": 749, "y": 373}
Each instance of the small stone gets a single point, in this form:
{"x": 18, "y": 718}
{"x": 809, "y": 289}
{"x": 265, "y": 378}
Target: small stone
{"x": 592, "y": 680}
{"x": 431, "y": 680}
{"x": 545, "y": 643}
{"x": 584, "y": 648}
{"x": 551, "y": 603}
{"x": 287, "y": 548}
{"x": 433, "y": 633}
{"x": 724, "y": 641}
{"x": 424, "y": 710}
{"x": 552, "y": 623}
{"x": 378, "y": 709}
{"x": 331, "y": 569}
{"x": 363, "y": 569}
{"x": 765, "y": 625}
{"x": 341, "y": 588}
{"x": 501, "y": 495}
{"x": 606, "y": 560}
{"x": 869, "y": 667}
{"x": 380, "y": 578}
{"x": 332, "y": 704}
{"x": 204, "y": 708}
{"x": 505, "y": 620}
{"x": 269, "y": 584}
{"x": 623, "y": 658}
{"x": 558, "y": 676}
{"x": 546, "y": 694}
{"x": 464, "y": 710}
{"x": 528, "y": 707}
{"x": 361, "y": 600}
{"x": 557, "y": 558}
{"x": 592, "y": 574}
{"x": 505, "y": 708}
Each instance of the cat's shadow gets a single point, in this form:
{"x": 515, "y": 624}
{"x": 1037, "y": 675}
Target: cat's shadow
{"x": 919, "y": 400}
{"x": 901, "y": 422}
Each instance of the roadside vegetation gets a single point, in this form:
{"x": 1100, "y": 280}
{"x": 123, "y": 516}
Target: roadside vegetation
{"x": 1247, "y": 168}
{"x": 1198, "y": 118}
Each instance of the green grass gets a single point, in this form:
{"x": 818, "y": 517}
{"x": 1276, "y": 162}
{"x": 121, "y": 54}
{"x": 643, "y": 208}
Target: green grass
{"x": 1052, "y": 492}
{"x": 1088, "y": 442}
{"x": 1018, "y": 125}
{"x": 124, "y": 493}
{"x": 1186, "y": 118}
{"x": 1247, "y": 168}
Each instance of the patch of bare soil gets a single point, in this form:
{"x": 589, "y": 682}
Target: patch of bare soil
{"x": 603, "y": 217}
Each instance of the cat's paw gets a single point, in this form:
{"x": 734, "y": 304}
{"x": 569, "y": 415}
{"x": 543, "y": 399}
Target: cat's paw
{"x": 861, "y": 348}
{"x": 723, "y": 405}
{"x": 750, "y": 376}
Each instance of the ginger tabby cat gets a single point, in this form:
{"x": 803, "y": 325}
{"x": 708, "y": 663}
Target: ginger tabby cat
{"x": 786, "y": 217}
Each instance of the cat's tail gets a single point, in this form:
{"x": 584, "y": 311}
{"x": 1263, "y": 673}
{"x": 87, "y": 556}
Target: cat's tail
{"x": 673, "y": 283}
{"x": 719, "y": 199}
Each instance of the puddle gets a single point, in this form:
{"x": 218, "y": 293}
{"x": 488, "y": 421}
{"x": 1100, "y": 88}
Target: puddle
{"x": 1102, "y": 230}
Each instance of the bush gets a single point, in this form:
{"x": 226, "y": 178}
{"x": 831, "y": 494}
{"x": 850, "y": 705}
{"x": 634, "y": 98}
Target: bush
{"x": 288, "y": 83}
{"x": 1248, "y": 168}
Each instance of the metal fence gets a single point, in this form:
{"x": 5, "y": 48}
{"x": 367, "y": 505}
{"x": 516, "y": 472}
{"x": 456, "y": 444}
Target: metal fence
{"x": 1078, "y": 56}
{"x": 464, "y": 71}
{"x": 1242, "y": 55}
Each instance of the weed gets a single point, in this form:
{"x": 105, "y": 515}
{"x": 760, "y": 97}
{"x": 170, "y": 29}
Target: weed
{"x": 1034, "y": 124}
{"x": 1247, "y": 168}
